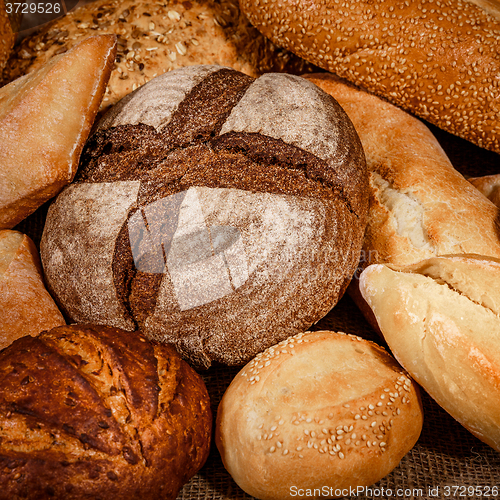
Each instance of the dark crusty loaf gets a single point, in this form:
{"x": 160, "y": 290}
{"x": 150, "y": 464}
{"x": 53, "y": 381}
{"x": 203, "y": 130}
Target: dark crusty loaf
{"x": 212, "y": 210}
{"x": 438, "y": 60}
{"x": 96, "y": 412}
{"x": 155, "y": 36}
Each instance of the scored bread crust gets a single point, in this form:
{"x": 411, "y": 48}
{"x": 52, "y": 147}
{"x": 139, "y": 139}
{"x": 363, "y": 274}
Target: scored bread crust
{"x": 438, "y": 60}
{"x": 318, "y": 410}
{"x": 157, "y": 36}
{"x": 255, "y": 188}
{"x": 95, "y": 412}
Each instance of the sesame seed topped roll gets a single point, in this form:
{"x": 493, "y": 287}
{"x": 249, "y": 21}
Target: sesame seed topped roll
{"x": 438, "y": 59}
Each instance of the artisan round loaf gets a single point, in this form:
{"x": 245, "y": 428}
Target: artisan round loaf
{"x": 155, "y": 36}
{"x": 211, "y": 210}
{"x": 438, "y": 60}
{"x": 321, "y": 411}
{"x": 94, "y": 412}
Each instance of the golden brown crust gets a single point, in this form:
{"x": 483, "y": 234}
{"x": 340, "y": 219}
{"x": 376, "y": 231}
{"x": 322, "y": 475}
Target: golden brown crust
{"x": 439, "y": 61}
{"x": 27, "y": 308}
{"x": 440, "y": 318}
{"x": 7, "y": 37}
{"x": 489, "y": 185}
{"x": 45, "y": 118}
{"x": 90, "y": 411}
{"x": 319, "y": 410}
{"x": 155, "y": 37}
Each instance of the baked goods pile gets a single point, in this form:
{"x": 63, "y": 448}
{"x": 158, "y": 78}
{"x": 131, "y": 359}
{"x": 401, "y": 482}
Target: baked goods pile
{"x": 210, "y": 200}
{"x": 154, "y": 37}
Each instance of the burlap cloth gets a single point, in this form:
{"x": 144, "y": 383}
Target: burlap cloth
{"x": 445, "y": 455}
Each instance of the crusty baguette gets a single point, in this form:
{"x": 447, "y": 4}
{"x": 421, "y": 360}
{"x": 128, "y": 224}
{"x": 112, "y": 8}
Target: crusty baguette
{"x": 420, "y": 206}
{"x": 439, "y": 60}
{"x": 441, "y": 320}
{"x": 26, "y": 308}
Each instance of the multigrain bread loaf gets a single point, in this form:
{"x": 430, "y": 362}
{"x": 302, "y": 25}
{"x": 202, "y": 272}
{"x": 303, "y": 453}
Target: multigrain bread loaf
{"x": 440, "y": 318}
{"x": 214, "y": 211}
{"x": 155, "y": 36}
{"x": 420, "y": 206}
{"x": 26, "y": 308}
{"x": 45, "y": 118}
{"x": 95, "y": 412}
{"x": 320, "y": 411}
{"x": 438, "y": 60}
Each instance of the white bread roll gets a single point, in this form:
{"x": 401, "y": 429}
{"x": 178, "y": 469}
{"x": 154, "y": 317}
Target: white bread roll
{"x": 441, "y": 320}
{"x": 420, "y": 206}
{"x": 438, "y": 60}
{"x": 319, "y": 410}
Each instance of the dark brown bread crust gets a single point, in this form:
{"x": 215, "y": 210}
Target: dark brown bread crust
{"x": 96, "y": 412}
{"x": 155, "y": 37}
{"x": 192, "y": 149}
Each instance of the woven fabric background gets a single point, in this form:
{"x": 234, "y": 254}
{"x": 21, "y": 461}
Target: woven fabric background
{"x": 445, "y": 455}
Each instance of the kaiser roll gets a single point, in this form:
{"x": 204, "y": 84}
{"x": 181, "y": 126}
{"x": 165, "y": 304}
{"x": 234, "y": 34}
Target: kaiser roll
{"x": 316, "y": 415}
{"x": 95, "y": 412}
{"x": 212, "y": 210}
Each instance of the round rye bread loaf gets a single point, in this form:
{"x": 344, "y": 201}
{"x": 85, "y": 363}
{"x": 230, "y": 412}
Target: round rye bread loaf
{"x": 88, "y": 412}
{"x": 212, "y": 210}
